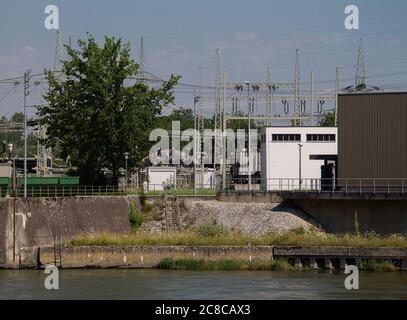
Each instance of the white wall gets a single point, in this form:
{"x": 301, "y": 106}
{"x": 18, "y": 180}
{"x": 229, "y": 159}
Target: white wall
{"x": 208, "y": 179}
{"x": 281, "y": 159}
{"x": 158, "y": 176}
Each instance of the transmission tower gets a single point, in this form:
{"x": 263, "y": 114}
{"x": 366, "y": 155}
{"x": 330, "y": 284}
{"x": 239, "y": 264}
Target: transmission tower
{"x": 360, "y": 80}
{"x": 43, "y": 153}
{"x": 269, "y": 100}
{"x": 218, "y": 116}
{"x": 297, "y": 100}
{"x": 59, "y": 56}
{"x": 141, "y": 57}
{"x": 201, "y": 128}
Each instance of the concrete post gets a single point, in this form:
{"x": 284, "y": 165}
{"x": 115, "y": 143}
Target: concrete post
{"x": 313, "y": 264}
{"x": 328, "y": 264}
{"x": 342, "y": 263}
{"x": 298, "y": 263}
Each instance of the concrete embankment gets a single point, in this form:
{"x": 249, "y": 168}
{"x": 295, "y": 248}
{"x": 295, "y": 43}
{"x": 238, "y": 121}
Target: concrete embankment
{"x": 151, "y": 256}
{"x": 26, "y": 224}
{"x": 148, "y": 256}
{"x": 335, "y": 213}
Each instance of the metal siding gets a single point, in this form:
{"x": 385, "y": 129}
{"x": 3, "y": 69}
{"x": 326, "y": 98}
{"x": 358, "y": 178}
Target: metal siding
{"x": 372, "y": 135}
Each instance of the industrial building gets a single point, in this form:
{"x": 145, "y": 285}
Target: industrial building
{"x": 297, "y": 157}
{"x": 372, "y": 138}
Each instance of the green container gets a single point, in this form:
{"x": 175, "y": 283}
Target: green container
{"x": 4, "y": 181}
{"x": 69, "y": 181}
{"x": 40, "y": 181}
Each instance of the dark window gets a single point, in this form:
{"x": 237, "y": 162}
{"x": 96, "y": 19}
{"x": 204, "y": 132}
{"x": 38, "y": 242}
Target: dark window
{"x": 321, "y": 138}
{"x": 286, "y": 137}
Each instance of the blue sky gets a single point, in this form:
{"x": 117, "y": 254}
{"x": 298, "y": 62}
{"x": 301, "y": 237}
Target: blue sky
{"x": 182, "y": 35}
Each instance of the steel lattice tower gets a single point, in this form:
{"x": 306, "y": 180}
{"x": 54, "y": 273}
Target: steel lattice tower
{"x": 218, "y": 115}
{"x": 297, "y": 89}
{"x": 360, "y": 80}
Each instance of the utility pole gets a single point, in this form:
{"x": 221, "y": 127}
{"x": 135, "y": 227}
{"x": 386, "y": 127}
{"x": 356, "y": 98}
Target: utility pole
{"x": 336, "y": 96}
{"x": 297, "y": 102}
{"x": 26, "y": 93}
{"x": 224, "y": 134}
{"x": 201, "y": 126}
{"x": 141, "y": 58}
{"x": 126, "y": 156}
{"x": 312, "y": 102}
{"x": 195, "y": 143}
{"x": 218, "y": 117}
{"x": 269, "y": 111}
{"x": 299, "y": 171}
{"x": 249, "y": 142}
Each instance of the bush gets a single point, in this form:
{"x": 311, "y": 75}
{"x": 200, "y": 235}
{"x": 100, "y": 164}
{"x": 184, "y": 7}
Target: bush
{"x": 212, "y": 230}
{"x": 136, "y": 219}
{"x": 373, "y": 265}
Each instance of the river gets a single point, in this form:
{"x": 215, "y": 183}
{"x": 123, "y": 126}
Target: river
{"x": 168, "y": 284}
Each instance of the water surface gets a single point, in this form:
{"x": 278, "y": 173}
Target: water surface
{"x": 169, "y": 284}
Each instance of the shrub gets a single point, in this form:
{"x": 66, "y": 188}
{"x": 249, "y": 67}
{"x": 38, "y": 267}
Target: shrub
{"x": 356, "y": 224}
{"x": 136, "y": 219}
{"x": 212, "y": 230}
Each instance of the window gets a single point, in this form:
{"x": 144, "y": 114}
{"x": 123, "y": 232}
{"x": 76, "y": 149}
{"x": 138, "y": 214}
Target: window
{"x": 321, "y": 138}
{"x": 286, "y": 137}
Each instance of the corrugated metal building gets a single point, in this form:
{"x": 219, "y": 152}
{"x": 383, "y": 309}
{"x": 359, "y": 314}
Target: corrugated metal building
{"x": 372, "y": 135}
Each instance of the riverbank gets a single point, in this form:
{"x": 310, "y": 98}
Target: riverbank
{"x": 221, "y": 257}
{"x": 216, "y": 235}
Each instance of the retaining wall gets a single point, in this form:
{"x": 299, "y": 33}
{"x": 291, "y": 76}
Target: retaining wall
{"x": 26, "y": 224}
{"x": 148, "y": 256}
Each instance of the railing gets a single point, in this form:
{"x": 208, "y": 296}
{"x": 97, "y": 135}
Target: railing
{"x": 91, "y": 191}
{"x": 64, "y": 191}
{"x": 342, "y": 185}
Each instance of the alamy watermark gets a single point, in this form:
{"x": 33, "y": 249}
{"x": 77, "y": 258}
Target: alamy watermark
{"x": 52, "y": 281}
{"x": 51, "y": 22}
{"x": 202, "y": 147}
{"x": 352, "y": 281}
{"x": 352, "y": 20}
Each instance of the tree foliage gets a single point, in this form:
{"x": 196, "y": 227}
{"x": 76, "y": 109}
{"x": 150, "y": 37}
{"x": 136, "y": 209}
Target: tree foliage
{"x": 328, "y": 120}
{"x": 95, "y": 113}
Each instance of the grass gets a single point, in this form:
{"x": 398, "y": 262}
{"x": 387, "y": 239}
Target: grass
{"x": 230, "y": 265}
{"x": 374, "y": 265}
{"x": 211, "y": 236}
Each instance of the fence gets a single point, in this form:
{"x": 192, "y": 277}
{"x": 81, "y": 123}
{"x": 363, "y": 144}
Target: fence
{"x": 351, "y": 185}
{"x": 64, "y": 191}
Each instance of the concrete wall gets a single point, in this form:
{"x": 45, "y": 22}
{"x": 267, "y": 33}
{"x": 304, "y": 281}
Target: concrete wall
{"x": 149, "y": 256}
{"x": 338, "y": 216}
{"x": 3, "y": 231}
{"x": 38, "y": 221}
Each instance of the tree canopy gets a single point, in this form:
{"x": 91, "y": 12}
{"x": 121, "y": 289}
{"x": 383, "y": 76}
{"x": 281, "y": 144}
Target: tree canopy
{"x": 96, "y": 112}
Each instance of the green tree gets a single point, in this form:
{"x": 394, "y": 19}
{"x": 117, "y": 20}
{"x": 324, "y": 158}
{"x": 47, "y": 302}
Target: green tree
{"x": 328, "y": 120}
{"x": 96, "y": 114}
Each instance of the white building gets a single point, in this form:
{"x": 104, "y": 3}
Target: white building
{"x": 207, "y": 176}
{"x": 284, "y": 148}
{"x": 160, "y": 178}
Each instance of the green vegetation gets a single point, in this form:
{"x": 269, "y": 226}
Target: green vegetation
{"x": 356, "y": 224}
{"x": 212, "y": 230}
{"x": 205, "y": 237}
{"x": 136, "y": 218}
{"x": 328, "y": 120}
{"x": 373, "y": 265}
{"x": 230, "y": 265}
{"x": 94, "y": 113}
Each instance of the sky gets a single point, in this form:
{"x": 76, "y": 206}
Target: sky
{"x": 181, "y": 35}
